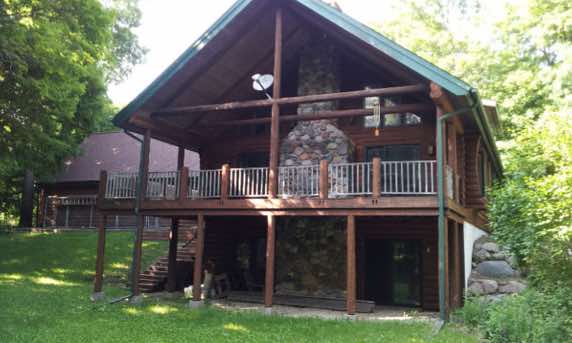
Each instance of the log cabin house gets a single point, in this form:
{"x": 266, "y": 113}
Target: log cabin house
{"x": 355, "y": 179}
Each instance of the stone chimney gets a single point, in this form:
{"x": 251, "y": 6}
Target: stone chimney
{"x": 309, "y": 142}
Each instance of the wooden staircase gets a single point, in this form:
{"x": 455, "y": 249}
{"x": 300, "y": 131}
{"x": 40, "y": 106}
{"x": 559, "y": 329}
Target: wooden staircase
{"x": 154, "y": 278}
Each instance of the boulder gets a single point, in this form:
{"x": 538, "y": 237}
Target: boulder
{"x": 476, "y": 288}
{"x": 512, "y": 287}
{"x": 489, "y": 286}
{"x": 491, "y": 247}
{"x": 495, "y": 269}
{"x": 481, "y": 255}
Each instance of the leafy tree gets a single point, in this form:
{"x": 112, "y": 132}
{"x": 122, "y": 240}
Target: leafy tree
{"x": 56, "y": 57}
{"x": 531, "y": 211}
{"x": 522, "y": 63}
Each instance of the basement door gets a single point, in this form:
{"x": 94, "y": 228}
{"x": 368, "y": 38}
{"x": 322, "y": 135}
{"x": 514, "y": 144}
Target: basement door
{"x": 393, "y": 272}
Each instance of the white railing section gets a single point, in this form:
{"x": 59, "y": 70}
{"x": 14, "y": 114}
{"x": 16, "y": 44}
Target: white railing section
{"x": 75, "y": 200}
{"x": 408, "y": 177}
{"x": 248, "y": 182}
{"x": 163, "y": 185}
{"x": 350, "y": 179}
{"x": 121, "y": 186}
{"x": 204, "y": 183}
{"x": 299, "y": 181}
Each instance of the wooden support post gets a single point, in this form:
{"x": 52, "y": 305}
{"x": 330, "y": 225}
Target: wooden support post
{"x": 199, "y": 251}
{"x": 172, "y": 261}
{"x": 98, "y": 282}
{"x": 183, "y": 174}
{"x": 447, "y": 270}
{"x": 144, "y": 165}
{"x": 457, "y": 271}
{"x": 376, "y": 177}
{"x": 351, "y": 266}
{"x": 141, "y": 194}
{"x": 137, "y": 253}
{"x": 102, "y": 186}
{"x": 180, "y": 158}
{"x": 275, "y": 117}
{"x": 270, "y": 253}
{"x": 324, "y": 189}
{"x": 225, "y": 181}
{"x": 184, "y": 183}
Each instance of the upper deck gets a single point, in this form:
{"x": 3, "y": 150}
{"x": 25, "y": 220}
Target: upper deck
{"x": 391, "y": 187}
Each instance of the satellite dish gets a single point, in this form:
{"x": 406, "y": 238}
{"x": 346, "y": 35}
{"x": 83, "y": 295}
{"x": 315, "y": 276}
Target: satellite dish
{"x": 262, "y": 82}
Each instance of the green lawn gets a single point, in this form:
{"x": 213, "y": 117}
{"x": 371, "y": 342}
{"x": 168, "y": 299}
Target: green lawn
{"x": 46, "y": 280}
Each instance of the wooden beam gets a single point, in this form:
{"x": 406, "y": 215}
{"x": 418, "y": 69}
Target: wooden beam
{"x": 358, "y": 112}
{"x": 440, "y": 98}
{"x": 172, "y": 259}
{"x": 275, "y": 116}
{"x": 99, "y": 261}
{"x": 306, "y": 213}
{"x": 199, "y": 251}
{"x": 351, "y": 266}
{"x": 388, "y": 91}
{"x": 270, "y": 254}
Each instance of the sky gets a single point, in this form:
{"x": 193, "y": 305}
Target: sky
{"x": 168, "y": 27}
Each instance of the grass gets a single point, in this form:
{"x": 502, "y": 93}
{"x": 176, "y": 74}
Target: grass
{"x": 46, "y": 280}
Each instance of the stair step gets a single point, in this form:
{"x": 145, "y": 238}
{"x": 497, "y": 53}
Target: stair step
{"x": 156, "y": 273}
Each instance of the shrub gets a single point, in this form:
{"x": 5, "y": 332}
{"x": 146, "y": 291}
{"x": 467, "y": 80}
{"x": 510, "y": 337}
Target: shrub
{"x": 473, "y": 313}
{"x": 533, "y": 316}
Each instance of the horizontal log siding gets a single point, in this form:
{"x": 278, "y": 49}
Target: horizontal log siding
{"x": 228, "y": 149}
{"x": 472, "y": 184}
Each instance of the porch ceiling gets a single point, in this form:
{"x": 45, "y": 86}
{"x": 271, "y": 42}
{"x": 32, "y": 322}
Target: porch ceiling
{"x": 221, "y": 70}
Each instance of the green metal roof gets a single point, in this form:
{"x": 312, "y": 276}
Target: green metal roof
{"x": 424, "y": 68}
{"x": 362, "y": 32}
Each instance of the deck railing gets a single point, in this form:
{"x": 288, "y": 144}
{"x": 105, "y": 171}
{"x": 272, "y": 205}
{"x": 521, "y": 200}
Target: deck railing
{"x": 163, "y": 185}
{"x": 334, "y": 180}
{"x": 121, "y": 186}
{"x": 408, "y": 177}
{"x": 248, "y": 182}
{"x": 350, "y": 179}
{"x": 204, "y": 184}
{"x": 298, "y": 181}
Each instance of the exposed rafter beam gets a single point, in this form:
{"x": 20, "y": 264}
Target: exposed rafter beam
{"x": 400, "y": 90}
{"x": 360, "y": 112}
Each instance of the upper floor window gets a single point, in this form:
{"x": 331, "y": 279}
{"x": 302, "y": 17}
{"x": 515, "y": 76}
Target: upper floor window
{"x": 388, "y": 119}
